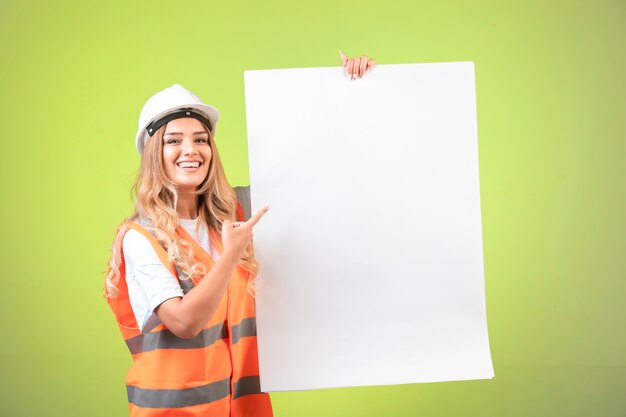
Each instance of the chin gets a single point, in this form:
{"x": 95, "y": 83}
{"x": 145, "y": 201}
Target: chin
{"x": 188, "y": 185}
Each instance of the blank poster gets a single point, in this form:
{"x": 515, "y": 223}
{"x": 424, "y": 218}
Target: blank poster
{"x": 371, "y": 255}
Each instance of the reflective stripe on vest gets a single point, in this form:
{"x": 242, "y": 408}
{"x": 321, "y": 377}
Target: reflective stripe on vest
{"x": 164, "y": 339}
{"x": 246, "y": 386}
{"x": 171, "y": 398}
{"x": 245, "y": 328}
{"x": 214, "y": 373}
{"x": 188, "y": 397}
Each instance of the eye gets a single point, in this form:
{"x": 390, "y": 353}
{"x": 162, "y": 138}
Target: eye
{"x": 202, "y": 140}
{"x": 172, "y": 141}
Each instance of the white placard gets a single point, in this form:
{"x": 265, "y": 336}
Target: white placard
{"x": 371, "y": 254}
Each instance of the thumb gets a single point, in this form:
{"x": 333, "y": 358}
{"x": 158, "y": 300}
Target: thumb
{"x": 344, "y": 59}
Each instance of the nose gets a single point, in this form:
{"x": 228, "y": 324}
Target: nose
{"x": 189, "y": 147}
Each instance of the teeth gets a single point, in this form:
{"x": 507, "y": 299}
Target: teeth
{"x": 189, "y": 164}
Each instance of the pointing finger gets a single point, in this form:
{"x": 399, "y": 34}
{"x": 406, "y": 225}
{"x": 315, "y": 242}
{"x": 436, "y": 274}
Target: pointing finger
{"x": 255, "y": 219}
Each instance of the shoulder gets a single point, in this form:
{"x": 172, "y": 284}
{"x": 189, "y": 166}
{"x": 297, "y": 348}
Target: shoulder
{"x": 136, "y": 231}
{"x": 133, "y": 239}
{"x": 136, "y": 245}
{"x": 140, "y": 247}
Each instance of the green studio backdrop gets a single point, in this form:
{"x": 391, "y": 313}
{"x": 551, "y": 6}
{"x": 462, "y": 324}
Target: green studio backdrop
{"x": 551, "y": 97}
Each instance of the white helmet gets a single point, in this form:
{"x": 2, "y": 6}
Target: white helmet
{"x": 172, "y": 103}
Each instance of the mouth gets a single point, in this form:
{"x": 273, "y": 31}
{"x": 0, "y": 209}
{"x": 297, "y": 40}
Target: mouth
{"x": 189, "y": 165}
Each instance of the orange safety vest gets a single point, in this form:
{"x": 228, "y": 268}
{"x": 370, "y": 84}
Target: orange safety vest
{"x": 213, "y": 374}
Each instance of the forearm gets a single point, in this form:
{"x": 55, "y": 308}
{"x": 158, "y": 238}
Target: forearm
{"x": 191, "y": 312}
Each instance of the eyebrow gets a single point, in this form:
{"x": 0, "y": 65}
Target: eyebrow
{"x": 180, "y": 133}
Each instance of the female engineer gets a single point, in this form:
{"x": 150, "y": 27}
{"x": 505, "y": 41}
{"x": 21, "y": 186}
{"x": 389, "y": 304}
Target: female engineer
{"x": 181, "y": 275}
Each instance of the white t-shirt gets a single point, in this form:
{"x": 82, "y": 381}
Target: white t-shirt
{"x": 149, "y": 281}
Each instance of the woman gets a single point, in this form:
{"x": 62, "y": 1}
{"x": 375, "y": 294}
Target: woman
{"x": 181, "y": 274}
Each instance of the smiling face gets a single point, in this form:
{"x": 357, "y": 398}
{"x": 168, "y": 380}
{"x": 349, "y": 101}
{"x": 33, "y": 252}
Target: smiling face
{"x": 186, "y": 153}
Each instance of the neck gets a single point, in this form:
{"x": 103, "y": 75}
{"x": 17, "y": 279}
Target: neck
{"x": 186, "y": 207}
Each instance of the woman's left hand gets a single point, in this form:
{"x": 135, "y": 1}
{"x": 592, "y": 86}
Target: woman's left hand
{"x": 356, "y": 67}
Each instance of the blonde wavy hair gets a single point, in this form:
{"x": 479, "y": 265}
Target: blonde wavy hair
{"x": 155, "y": 198}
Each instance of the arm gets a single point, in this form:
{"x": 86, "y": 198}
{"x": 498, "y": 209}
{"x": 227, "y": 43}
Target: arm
{"x": 148, "y": 280}
{"x": 185, "y": 316}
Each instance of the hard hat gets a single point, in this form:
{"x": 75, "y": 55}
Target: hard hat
{"x": 172, "y": 103}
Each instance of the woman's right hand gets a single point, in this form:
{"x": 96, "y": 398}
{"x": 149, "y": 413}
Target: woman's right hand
{"x": 236, "y": 236}
{"x": 186, "y": 316}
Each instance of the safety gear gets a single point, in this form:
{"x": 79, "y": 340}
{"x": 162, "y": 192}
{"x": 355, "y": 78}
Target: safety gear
{"x": 213, "y": 374}
{"x": 171, "y": 100}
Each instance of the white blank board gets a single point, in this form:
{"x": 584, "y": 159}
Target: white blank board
{"x": 371, "y": 255}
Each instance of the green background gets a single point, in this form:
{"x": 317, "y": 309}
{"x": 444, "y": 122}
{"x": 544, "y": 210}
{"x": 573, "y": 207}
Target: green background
{"x": 551, "y": 97}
